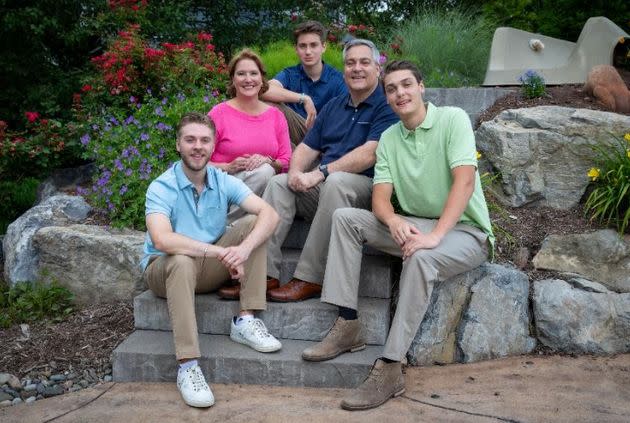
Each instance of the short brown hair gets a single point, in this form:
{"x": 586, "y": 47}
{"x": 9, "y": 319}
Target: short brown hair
{"x": 310, "y": 27}
{"x": 241, "y": 55}
{"x": 195, "y": 117}
{"x": 397, "y": 65}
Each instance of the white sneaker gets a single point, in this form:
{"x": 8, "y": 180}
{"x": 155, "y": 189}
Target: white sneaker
{"x": 193, "y": 387}
{"x": 254, "y": 334}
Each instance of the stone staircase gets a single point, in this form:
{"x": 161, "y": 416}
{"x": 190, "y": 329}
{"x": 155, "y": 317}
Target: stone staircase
{"x": 148, "y": 354}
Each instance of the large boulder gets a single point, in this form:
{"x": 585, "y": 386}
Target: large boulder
{"x": 601, "y": 255}
{"x": 20, "y": 258}
{"x": 474, "y": 316}
{"x": 576, "y": 317}
{"x": 97, "y": 264}
{"x": 544, "y": 153}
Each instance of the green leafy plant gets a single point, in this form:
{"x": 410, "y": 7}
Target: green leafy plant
{"x": 533, "y": 84}
{"x": 29, "y": 302}
{"x": 452, "y": 46}
{"x": 609, "y": 201}
{"x": 131, "y": 148}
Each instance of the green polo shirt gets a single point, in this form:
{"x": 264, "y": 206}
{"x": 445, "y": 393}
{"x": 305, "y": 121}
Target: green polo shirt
{"x": 418, "y": 163}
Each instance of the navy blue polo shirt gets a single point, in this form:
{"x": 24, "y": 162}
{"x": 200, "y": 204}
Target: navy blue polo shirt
{"x": 341, "y": 127}
{"x": 330, "y": 84}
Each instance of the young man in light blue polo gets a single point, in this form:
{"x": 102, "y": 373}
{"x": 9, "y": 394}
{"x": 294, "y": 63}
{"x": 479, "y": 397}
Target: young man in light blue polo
{"x": 429, "y": 161}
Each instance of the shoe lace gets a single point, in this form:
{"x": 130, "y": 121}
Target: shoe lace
{"x": 259, "y": 329}
{"x": 196, "y": 379}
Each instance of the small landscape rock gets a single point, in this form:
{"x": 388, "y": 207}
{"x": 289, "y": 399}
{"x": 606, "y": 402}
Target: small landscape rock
{"x": 16, "y": 401}
{"x": 10, "y": 380}
{"x": 6, "y": 403}
{"x": 4, "y": 396}
{"x": 29, "y": 400}
{"x": 107, "y": 378}
{"x": 57, "y": 378}
{"x": 12, "y": 392}
{"x": 51, "y": 391}
{"x": 30, "y": 387}
{"x": 84, "y": 383}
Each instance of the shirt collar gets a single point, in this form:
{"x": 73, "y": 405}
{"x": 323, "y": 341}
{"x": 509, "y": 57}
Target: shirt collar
{"x": 323, "y": 77}
{"x": 427, "y": 123}
{"x": 183, "y": 181}
{"x": 377, "y": 97}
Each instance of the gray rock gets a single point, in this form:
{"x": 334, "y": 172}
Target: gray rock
{"x": 65, "y": 179}
{"x": 84, "y": 383}
{"x": 601, "y": 256}
{"x": 6, "y": 403}
{"x": 5, "y": 396}
{"x": 477, "y": 315}
{"x": 107, "y": 378}
{"x": 16, "y": 401}
{"x": 473, "y": 100}
{"x": 20, "y": 258}
{"x": 97, "y": 264}
{"x": 58, "y": 378}
{"x": 543, "y": 153}
{"x": 496, "y": 323}
{"x": 11, "y": 380}
{"x": 12, "y": 392}
{"x": 569, "y": 319}
{"x": 30, "y": 400}
{"x": 53, "y": 390}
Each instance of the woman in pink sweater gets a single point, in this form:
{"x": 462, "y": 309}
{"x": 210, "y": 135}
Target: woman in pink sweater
{"x": 252, "y": 137}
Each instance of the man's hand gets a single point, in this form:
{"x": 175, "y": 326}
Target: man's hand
{"x": 234, "y": 256}
{"x": 302, "y": 182}
{"x": 311, "y": 112}
{"x": 237, "y": 272}
{"x": 417, "y": 240}
{"x": 400, "y": 229}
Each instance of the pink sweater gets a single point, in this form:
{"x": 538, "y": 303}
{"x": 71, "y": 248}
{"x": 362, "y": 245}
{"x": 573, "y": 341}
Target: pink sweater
{"x": 239, "y": 133}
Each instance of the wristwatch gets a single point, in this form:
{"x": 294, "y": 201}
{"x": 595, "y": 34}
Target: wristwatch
{"x": 324, "y": 170}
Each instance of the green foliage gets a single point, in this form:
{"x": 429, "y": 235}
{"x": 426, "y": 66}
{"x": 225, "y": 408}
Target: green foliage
{"x": 29, "y": 302}
{"x": 451, "y": 47}
{"x": 533, "y": 84}
{"x": 131, "y": 148}
{"x": 281, "y": 54}
{"x": 609, "y": 201}
{"x": 15, "y": 198}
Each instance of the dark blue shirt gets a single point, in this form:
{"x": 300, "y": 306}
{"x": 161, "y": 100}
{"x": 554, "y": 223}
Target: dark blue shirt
{"x": 341, "y": 127}
{"x": 330, "y": 84}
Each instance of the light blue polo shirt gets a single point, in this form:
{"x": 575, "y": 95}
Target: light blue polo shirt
{"x": 171, "y": 194}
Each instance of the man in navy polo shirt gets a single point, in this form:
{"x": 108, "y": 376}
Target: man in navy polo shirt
{"x": 343, "y": 140}
{"x": 306, "y": 87}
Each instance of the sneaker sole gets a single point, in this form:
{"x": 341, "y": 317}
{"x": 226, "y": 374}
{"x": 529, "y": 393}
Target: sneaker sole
{"x": 351, "y": 407}
{"x": 199, "y": 404}
{"x": 244, "y": 341}
{"x": 331, "y": 356}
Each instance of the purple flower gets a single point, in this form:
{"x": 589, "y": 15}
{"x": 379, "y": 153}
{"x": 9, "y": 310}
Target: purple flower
{"x": 161, "y": 153}
{"x": 114, "y": 120}
{"x": 180, "y": 97}
{"x": 85, "y": 139}
{"x": 128, "y": 172}
{"x": 125, "y": 153}
{"x": 159, "y": 111}
{"x": 382, "y": 59}
{"x": 95, "y": 127}
{"x": 164, "y": 100}
{"x": 118, "y": 164}
{"x": 215, "y": 93}
{"x": 130, "y": 120}
{"x": 144, "y": 136}
{"x": 132, "y": 99}
{"x": 163, "y": 127}
{"x": 82, "y": 191}
{"x": 123, "y": 190}
{"x": 149, "y": 91}
{"x": 206, "y": 99}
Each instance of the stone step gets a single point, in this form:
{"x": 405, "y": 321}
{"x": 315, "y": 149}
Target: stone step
{"x": 376, "y": 273}
{"x": 149, "y": 356}
{"x": 306, "y": 320}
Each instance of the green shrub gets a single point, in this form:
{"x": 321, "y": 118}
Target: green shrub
{"x": 533, "y": 84}
{"x": 28, "y": 302}
{"x": 609, "y": 201}
{"x": 281, "y": 54}
{"x": 15, "y": 198}
{"x": 451, "y": 47}
{"x": 132, "y": 148}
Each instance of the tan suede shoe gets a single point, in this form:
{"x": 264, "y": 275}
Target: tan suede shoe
{"x": 385, "y": 381}
{"x": 345, "y": 335}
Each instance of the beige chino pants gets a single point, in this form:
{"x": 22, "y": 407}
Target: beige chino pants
{"x": 462, "y": 249}
{"x": 340, "y": 189}
{"x": 179, "y": 277}
{"x": 257, "y": 181}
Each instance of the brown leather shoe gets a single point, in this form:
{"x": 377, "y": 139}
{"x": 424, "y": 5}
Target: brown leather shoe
{"x": 295, "y": 290}
{"x": 233, "y": 292}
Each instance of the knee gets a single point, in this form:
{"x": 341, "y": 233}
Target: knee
{"x": 347, "y": 215}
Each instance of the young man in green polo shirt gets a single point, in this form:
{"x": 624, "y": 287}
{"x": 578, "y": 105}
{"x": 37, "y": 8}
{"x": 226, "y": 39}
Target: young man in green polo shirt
{"x": 429, "y": 160}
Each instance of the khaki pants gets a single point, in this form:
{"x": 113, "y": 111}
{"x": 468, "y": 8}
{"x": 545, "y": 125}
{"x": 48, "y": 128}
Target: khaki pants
{"x": 257, "y": 181}
{"x": 179, "y": 277}
{"x": 462, "y": 249}
{"x": 340, "y": 189}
